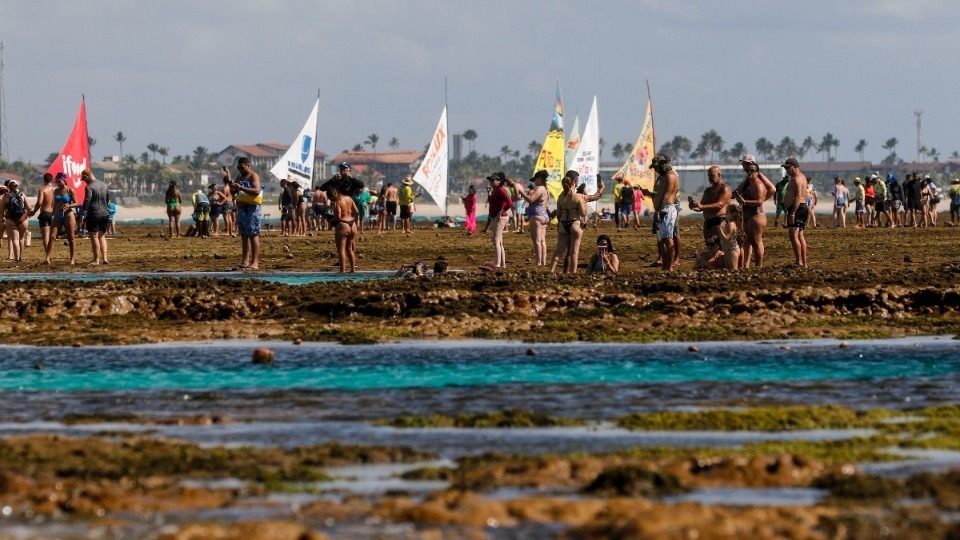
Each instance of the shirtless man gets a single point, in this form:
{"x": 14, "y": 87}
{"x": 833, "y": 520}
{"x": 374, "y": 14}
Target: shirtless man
{"x": 320, "y": 203}
{"x": 664, "y": 197}
{"x": 713, "y": 204}
{"x": 390, "y": 199}
{"x": 44, "y": 205}
{"x": 797, "y": 211}
{"x": 751, "y": 193}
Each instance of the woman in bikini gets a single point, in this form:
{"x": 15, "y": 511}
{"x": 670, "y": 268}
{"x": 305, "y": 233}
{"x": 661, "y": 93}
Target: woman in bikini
{"x": 64, "y": 201}
{"x": 536, "y": 213}
{"x": 174, "y": 208}
{"x": 751, "y": 193}
{"x": 345, "y": 229}
{"x": 571, "y": 212}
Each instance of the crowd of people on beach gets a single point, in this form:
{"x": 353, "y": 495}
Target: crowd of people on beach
{"x": 733, "y": 228}
{"x": 60, "y": 214}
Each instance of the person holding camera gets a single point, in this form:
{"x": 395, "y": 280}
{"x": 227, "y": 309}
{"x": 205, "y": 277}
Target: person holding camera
{"x": 713, "y": 204}
{"x": 604, "y": 260}
{"x": 664, "y": 195}
{"x": 499, "y": 203}
{"x": 571, "y": 214}
{"x": 249, "y": 192}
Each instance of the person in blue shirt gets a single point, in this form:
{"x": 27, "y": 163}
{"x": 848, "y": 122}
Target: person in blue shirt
{"x": 111, "y": 226}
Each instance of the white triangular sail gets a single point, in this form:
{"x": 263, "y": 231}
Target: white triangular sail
{"x": 587, "y": 159}
{"x": 432, "y": 174}
{"x": 297, "y": 163}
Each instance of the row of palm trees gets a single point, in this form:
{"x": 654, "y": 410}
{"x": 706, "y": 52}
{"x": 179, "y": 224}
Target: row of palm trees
{"x": 712, "y": 148}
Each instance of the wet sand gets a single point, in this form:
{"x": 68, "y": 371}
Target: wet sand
{"x": 861, "y": 284}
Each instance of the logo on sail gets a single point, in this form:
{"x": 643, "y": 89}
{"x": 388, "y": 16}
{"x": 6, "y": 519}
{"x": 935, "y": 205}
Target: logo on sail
{"x": 306, "y": 148}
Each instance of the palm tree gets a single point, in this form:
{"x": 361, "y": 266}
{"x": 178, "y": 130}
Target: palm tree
{"x": 617, "y": 151}
{"x": 153, "y": 148}
{"x": 933, "y": 154}
{"x": 54, "y": 155}
{"x": 120, "y": 139}
{"x": 681, "y": 147}
{"x": 394, "y": 144}
{"x": 786, "y": 148}
{"x": 471, "y": 136}
{"x": 357, "y": 148}
{"x": 737, "y": 150}
{"x": 372, "y": 141}
{"x": 603, "y": 144}
{"x": 533, "y": 147}
{"x": 144, "y": 157}
{"x": 827, "y": 143}
{"x": 891, "y": 144}
{"x": 955, "y": 155}
{"x": 860, "y": 147}
{"x": 764, "y": 148}
{"x": 91, "y": 141}
{"x": 164, "y": 152}
{"x": 806, "y": 146}
{"x": 505, "y": 153}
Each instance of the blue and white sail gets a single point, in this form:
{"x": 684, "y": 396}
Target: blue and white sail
{"x": 297, "y": 163}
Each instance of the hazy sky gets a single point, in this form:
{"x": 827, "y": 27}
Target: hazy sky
{"x": 212, "y": 73}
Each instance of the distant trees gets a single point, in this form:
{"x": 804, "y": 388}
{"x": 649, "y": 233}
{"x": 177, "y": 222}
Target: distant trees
{"x": 860, "y": 147}
{"x": 764, "y": 148}
{"x": 471, "y": 137}
{"x": 891, "y": 145}
{"x": 372, "y": 141}
{"x": 394, "y": 144}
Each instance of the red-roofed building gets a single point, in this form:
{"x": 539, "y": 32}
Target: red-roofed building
{"x": 264, "y": 156}
{"x": 391, "y": 167}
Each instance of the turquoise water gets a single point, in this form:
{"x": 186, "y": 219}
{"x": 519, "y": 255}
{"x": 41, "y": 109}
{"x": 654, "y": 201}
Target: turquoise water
{"x": 316, "y": 393}
{"x": 287, "y": 278}
{"x": 445, "y": 364}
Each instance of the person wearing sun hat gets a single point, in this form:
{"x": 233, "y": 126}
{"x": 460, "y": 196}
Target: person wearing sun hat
{"x": 406, "y": 198}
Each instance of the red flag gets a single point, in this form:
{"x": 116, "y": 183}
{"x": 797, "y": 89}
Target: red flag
{"x": 75, "y": 156}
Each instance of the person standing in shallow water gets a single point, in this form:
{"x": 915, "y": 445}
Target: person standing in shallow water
{"x": 751, "y": 193}
{"x": 64, "y": 201}
{"x": 174, "y": 207}
{"x": 344, "y": 225}
{"x": 571, "y": 214}
{"x": 536, "y": 212}
{"x": 664, "y": 197}
{"x": 797, "y": 211}
{"x": 249, "y": 213}
{"x": 96, "y": 206}
{"x": 469, "y": 208}
{"x": 499, "y": 204}
{"x": 713, "y": 204}
{"x": 44, "y": 205}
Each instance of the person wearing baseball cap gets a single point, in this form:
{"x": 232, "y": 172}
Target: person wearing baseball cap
{"x": 797, "y": 211}
{"x": 859, "y": 194}
{"x": 664, "y": 195}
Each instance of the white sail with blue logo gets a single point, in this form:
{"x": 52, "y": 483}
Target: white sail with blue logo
{"x": 297, "y": 163}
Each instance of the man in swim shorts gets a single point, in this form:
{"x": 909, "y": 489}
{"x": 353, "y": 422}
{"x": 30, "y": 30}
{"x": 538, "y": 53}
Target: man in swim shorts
{"x": 713, "y": 204}
{"x": 664, "y": 197}
{"x": 796, "y": 209}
